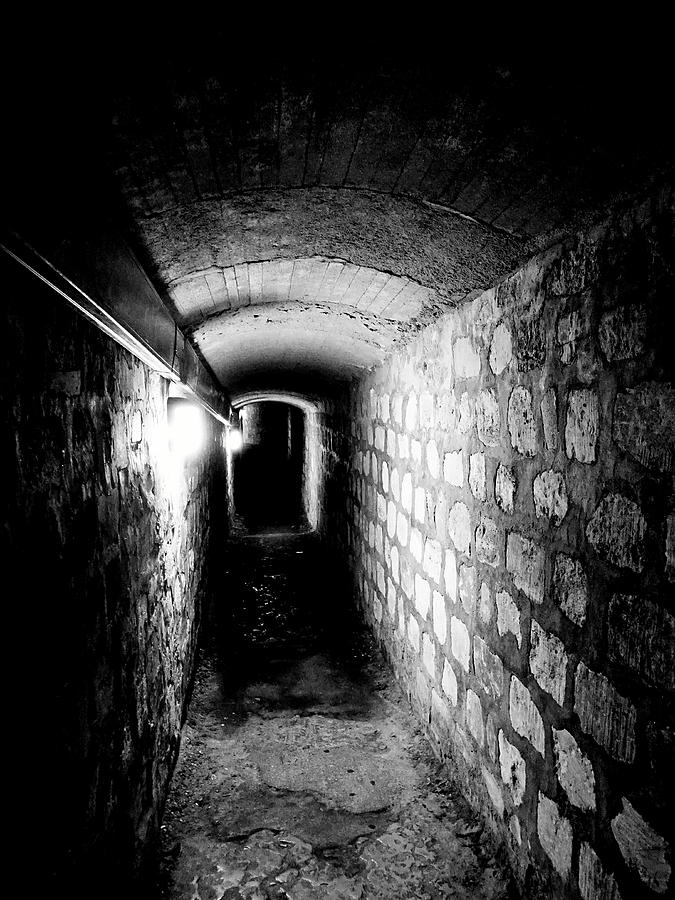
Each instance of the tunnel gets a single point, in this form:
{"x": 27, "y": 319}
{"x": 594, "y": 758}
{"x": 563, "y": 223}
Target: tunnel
{"x": 268, "y": 469}
{"x": 339, "y": 442}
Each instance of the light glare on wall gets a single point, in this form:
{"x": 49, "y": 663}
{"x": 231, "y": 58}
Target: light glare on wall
{"x": 234, "y": 440}
{"x": 187, "y": 431}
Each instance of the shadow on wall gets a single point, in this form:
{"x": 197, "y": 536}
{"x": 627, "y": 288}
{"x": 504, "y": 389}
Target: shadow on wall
{"x": 268, "y": 473}
{"x": 110, "y": 540}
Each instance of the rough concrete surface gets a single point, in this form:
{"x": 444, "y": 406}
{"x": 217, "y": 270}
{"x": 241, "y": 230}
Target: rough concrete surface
{"x": 306, "y": 777}
{"x": 445, "y": 252}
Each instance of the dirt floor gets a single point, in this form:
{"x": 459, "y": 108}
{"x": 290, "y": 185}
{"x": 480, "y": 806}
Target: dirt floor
{"x": 302, "y": 773}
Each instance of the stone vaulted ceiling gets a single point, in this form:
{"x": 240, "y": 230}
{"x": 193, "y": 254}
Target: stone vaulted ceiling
{"x": 300, "y": 217}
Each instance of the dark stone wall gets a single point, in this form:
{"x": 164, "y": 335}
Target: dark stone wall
{"x": 511, "y": 535}
{"x": 109, "y": 539}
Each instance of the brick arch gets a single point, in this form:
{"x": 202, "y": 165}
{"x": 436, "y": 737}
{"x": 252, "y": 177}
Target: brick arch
{"x": 301, "y": 401}
{"x": 208, "y": 292}
{"x": 326, "y": 320}
{"x": 293, "y": 346}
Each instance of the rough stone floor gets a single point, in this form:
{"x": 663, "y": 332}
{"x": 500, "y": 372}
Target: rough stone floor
{"x": 301, "y": 773}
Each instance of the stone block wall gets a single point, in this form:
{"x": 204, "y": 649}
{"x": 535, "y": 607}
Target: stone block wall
{"x": 511, "y": 531}
{"x": 109, "y": 539}
{"x": 325, "y": 469}
{"x": 312, "y": 469}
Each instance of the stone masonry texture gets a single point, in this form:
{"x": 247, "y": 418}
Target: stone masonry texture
{"x": 110, "y": 542}
{"x": 544, "y": 466}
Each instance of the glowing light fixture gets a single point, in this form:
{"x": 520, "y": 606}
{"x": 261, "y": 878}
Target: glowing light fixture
{"x": 187, "y": 430}
{"x": 234, "y": 440}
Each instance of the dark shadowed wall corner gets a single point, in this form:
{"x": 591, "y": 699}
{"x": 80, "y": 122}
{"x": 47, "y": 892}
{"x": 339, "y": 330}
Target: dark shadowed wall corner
{"x": 107, "y": 539}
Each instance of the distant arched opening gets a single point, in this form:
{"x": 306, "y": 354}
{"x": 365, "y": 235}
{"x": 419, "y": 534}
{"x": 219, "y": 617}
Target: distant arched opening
{"x": 268, "y": 472}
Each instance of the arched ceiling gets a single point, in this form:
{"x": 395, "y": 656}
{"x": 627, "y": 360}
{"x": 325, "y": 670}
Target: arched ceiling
{"x": 520, "y": 148}
{"x": 300, "y": 220}
{"x": 315, "y": 280}
{"x": 307, "y": 404}
{"x": 444, "y": 251}
{"x": 300, "y": 217}
{"x": 312, "y": 320}
{"x": 305, "y": 254}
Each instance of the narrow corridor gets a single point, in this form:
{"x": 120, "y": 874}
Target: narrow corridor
{"x": 302, "y": 773}
{"x": 259, "y": 308}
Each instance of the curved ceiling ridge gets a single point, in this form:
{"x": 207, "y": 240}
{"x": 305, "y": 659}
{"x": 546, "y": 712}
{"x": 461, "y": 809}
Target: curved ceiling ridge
{"x": 305, "y": 402}
{"x": 449, "y": 254}
{"x": 485, "y": 139}
{"x": 290, "y": 345}
{"x": 301, "y": 223}
{"x": 253, "y": 191}
{"x": 319, "y": 279}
